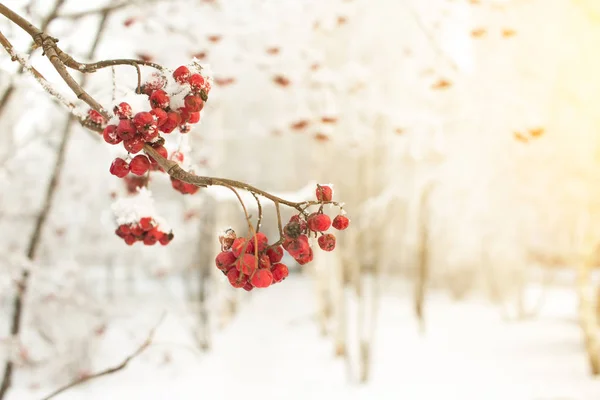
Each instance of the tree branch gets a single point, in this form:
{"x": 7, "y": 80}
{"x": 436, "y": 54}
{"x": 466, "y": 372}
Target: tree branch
{"x": 111, "y": 370}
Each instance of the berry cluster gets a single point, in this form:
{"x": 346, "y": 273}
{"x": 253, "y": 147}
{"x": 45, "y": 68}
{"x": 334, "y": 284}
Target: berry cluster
{"x": 172, "y": 104}
{"x": 252, "y": 262}
{"x": 146, "y": 230}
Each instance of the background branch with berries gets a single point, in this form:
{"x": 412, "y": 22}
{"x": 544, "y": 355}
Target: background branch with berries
{"x": 166, "y": 105}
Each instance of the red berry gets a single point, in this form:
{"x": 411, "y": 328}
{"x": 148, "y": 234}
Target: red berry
{"x": 248, "y": 287}
{"x": 236, "y": 279}
{"x": 156, "y": 82}
{"x": 194, "y": 118}
{"x": 149, "y": 240}
{"x": 305, "y": 258}
{"x": 327, "y": 242}
{"x": 144, "y": 122}
{"x": 159, "y": 99}
{"x": 262, "y": 241}
{"x": 165, "y": 239}
{"x": 262, "y": 278}
{"x": 246, "y": 264}
{"x": 264, "y": 262}
{"x": 160, "y": 150}
{"x": 193, "y": 103}
{"x": 150, "y": 135}
{"x": 324, "y": 193}
{"x": 155, "y": 234}
{"x": 110, "y": 135}
{"x": 196, "y": 82}
{"x": 123, "y": 230}
{"x": 294, "y": 228}
{"x": 130, "y": 240}
{"x": 123, "y": 110}
{"x": 177, "y": 156}
{"x": 146, "y": 223}
{"x": 160, "y": 114}
{"x": 139, "y": 165}
{"x": 137, "y": 231}
{"x": 238, "y": 246}
{"x": 134, "y": 145}
{"x": 126, "y": 129}
{"x": 280, "y": 272}
{"x": 225, "y": 260}
{"x": 181, "y": 74}
{"x": 96, "y": 117}
{"x": 172, "y": 122}
{"x": 318, "y": 222}
{"x": 340, "y": 222}
{"x": 298, "y": 247}
{"x": 119, "y": 167}
{"x": 275, "y": 254}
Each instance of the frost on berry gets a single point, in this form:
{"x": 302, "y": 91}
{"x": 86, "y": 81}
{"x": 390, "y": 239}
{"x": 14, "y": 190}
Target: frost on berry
{"x": 226, "y": 238}
{"x": 159, "y": 99}
{"x": 123, "y": 110}
{"x": 110, "y": 135}
{"x": 318, "y": 222}
{"x": 134, "y": 145}
{"x": 119, "y": 168}
{"x": 96, "y": 118}
{"x": 324, "y": 192}
{"x": 137, "y": 220}
{"x": 340, "y": 222}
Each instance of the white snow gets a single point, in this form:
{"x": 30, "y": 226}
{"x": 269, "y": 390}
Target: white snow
{"x": 273, "y": 351}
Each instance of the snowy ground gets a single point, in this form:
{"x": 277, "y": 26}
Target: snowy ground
{"x": 273, "y": 350}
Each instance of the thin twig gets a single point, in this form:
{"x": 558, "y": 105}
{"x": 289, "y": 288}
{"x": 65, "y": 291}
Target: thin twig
{"x": 260, "y": 212}
{"x": 111, "y": 370}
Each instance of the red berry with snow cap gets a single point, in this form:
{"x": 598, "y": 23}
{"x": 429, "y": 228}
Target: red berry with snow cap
{"x": 119, "y": 168}
{"x": 196, "y": 82}
{"x": 159, "y": 99}
{"x": 110, "y": 135}
{"x": 123, "y": 110}
{"x": 146, "y": 223}
{"x": 144, "y": 122}
{"x": 181, "y": 74}
{"x": 160, "y": 115}
{"x": 324, "y": 193}
{"x": 96, "y": 117}
{"x": 134, "y": 145}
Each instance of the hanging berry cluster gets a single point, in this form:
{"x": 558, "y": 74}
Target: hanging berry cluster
{"x": 172, "y": 104}
{"x": 146, "y": 230}
{"x": 252, "y": 262}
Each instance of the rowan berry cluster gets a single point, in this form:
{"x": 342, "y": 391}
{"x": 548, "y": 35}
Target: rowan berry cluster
{"x": 252, "y": 262}
{"x": 172, "y": 104}
{"x": 146, "y": 230}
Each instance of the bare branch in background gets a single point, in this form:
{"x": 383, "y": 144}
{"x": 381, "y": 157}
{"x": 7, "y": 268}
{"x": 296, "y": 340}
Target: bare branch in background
{"x": 122, "y": 365}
